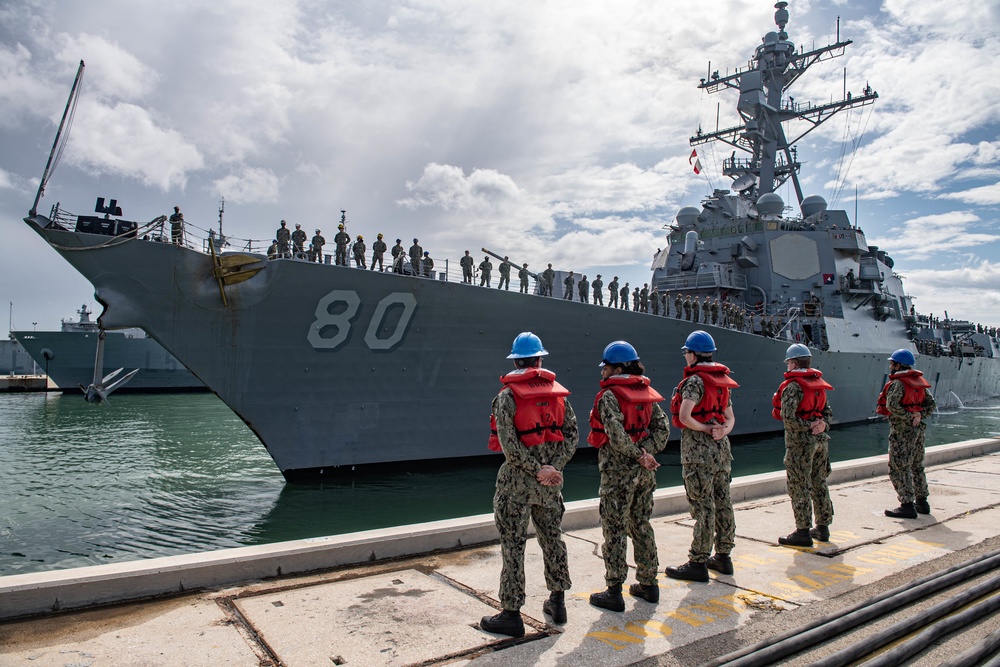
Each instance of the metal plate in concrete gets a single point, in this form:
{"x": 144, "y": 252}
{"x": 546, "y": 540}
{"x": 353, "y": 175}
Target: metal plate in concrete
{"x": 189, "y": 631}
{"x": 963, "y": 479}
{"x": 989, "y": 463}
{"x": 395, "y": 618}
{"x": 686, "y": 612}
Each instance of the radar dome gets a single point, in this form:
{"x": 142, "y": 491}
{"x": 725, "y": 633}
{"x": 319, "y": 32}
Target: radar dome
{"x": 770, "y": 204}
{"x": 687, "y": 216}
{"x": 812, "y": 205}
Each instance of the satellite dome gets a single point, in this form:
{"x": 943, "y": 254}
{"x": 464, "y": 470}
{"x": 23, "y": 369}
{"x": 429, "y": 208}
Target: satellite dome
{"x": 770, "y": 204}
{"x": 812, "y": 205}
{"x": 687, "y": 216}
{"x": 771, "y": 38}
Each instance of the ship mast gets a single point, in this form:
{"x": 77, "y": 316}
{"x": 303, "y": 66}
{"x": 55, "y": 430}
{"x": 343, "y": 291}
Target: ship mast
{"x": 775, "y": 66}
{"x": 68, "y": 112}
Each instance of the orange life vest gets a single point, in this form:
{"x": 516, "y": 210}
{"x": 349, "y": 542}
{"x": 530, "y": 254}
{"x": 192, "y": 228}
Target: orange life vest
{"x": 814, "y": 389}
{"x": 914, "y": 391}
{"x": 540, "y": 407}
{"x": 635, "y": 397}
{"x": 716, "y": 399}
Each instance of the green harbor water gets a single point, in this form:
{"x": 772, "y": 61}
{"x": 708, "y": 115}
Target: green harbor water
{"x": 158, "y": 475}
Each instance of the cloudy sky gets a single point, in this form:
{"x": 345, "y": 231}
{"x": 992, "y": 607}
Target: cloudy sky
{"x": 552, "y": 131}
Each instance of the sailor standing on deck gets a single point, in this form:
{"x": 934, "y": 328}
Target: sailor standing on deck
{"x": 298, "y": 241}
{"x": 485, "y": 272}
{"x": 568, "y": 284}
{"x": 701, "y": 406}
{"x": 378, "y": 251}
{"x": 598, "y": 286}
{"x": 416, "y": 255}
{"x": 466, "y": 263}
{"x": 359, "y": 252}
{"x": 283, "y": 235}
{"x": 907, "y": 401}
{"x": 342, "y": 239}
{"x": 504, "y": 270}
{"x": 628, "y": 428}
{"x": 522, "y": 274}
{"x": 800, "y": 403}
{"x": 317, "y": 247}
{"x": 535, "y": 427}
{"x": 177, "y": 226}
{"x": 613, "y": 293}
{"x": 548, "y": 280}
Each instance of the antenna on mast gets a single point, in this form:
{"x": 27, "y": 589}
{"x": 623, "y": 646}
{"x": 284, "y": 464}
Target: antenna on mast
{"x": 68, "y": 112}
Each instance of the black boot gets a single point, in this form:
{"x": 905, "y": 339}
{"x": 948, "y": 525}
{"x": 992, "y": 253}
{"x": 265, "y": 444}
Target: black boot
{"x": 922, "y": 506}
{"x": 904, "y": 511}
{"x": 820, "y": 533}
{"x": 505, "y": 623}
{"x": 648, "y": 592}
{"x": 721, "y": 563}
{"x": 800, "y": 538}
{"x": 555, "y": 607}
{"x": 610, "y": 599}
{"x": 689, "y": 571}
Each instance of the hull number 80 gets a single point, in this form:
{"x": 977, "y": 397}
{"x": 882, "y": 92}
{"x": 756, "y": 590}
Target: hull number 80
{"x": 346, "y": 304}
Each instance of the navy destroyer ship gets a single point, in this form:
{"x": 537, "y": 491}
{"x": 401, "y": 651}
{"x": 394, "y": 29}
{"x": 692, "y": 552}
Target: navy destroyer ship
{"x": 336, "y": 367}
{"x": 67, "y": 357}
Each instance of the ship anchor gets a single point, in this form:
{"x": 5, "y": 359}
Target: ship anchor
{"x": 99, "y": 390}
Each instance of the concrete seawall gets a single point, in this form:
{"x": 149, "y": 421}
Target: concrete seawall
{"x": 38, "y": 593}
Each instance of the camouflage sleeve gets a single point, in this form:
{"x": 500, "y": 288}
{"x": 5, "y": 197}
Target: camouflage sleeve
{"x": 930, "y": 405}
{"x": 693, "y": 389}
{"x": 791, "y": 398}
{"x": 571, "y": 437}
{"x": 894, "y": 398}
{"x": 516, "y": 453}
{"x": 659, "y": 432}
{"x": 618, "y": 440}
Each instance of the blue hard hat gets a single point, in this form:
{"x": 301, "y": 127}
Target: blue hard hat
{"x": 619, "y": 352}
{"x": 526, "y": 346}
{"x": 699, "y": 341}
{"x": 903, "y": 356}
{"x": 797, "y": 350}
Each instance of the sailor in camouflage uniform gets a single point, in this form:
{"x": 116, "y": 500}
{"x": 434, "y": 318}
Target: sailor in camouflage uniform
{"x": 701, "y": 406}
{"x": 800, "y": 403}
{"x": 907, "y": 401}
{"x": 628, "y": 427}
{"x": 535, "y": 427}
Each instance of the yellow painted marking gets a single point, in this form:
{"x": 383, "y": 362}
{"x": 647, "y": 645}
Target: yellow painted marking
{"x": 615, "y": 637}
{"x": 684, "y": 615}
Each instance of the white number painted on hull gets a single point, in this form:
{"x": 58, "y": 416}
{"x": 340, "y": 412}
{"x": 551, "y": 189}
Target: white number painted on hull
{"x": 342, "y": 319}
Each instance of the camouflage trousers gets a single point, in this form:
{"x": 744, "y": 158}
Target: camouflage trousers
{"x": 807, "y": 465}
{"x": 625, "y": 508}
{"x": 906, "y": 463}
{"x": 706, "y": 483}
{"x": 511, "y": 517}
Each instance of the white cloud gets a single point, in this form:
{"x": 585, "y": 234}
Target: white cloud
{"x": 985, "y": 195}
{"x": 930, "y": 235}
{"x": 970, "y": 292}
{"x": 447, "y": 187}
{"x": 119, "y": 74}
{"x": 248, "y": 186}
{"x": 123, "y": 139}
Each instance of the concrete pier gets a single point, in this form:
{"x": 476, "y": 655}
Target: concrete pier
{"x": 414, "y": 594}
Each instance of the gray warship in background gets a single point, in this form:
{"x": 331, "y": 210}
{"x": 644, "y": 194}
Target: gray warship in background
{"x": 67, "y": 357}
{"x": 333, "y": 366}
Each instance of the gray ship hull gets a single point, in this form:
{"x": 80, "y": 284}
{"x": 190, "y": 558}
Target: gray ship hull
{"x": 14, "y": 359}
{"x": 334, "y": 367}
{"x": 71, "y": 362}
